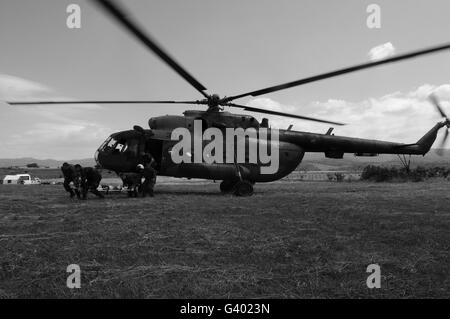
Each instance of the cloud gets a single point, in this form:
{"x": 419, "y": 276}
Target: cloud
{"x": 72, "y": 132}
{"x": 46, "y": 131}
{"x": 398, "y": 116}
{"x": 381, "y": 52}
{"x": 57, "y": 140}
{"x": 14, "y": 87}
{"x": 66, "y": 140}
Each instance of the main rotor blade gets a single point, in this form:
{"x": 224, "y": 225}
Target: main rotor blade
{"x": 438, "y": 106}
{"x": 120, "y": 15}
{"x": 445, "y": 138}
{"x": 104, "y": 102}
{"x": 342, "y": 71}
{"x": 440, "y": 150}
{"x": 258, "y": 110}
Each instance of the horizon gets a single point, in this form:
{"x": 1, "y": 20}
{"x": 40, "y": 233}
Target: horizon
{"x": 431, "y": 152}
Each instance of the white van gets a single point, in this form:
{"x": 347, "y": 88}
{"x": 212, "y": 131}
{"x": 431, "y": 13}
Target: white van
{"x": 24, "y": 179}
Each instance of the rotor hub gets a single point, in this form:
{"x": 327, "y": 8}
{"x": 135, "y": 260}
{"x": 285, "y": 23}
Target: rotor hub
{"x": 214, "y": 100}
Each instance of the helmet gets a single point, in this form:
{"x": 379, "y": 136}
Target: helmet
{"x": 140, "y": 166}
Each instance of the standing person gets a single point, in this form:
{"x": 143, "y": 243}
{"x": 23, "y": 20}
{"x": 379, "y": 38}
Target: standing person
{"x": 90, "y": 180}
{"x": 71, "y": 175}
{"x": 148, "y": 172}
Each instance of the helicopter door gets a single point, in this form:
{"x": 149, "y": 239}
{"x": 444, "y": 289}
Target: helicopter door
{"x": 167, "y": 165}
{"x": 154, "y": 147}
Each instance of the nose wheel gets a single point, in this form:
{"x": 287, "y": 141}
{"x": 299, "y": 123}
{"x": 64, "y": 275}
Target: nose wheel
{"x": 239, "y": 188}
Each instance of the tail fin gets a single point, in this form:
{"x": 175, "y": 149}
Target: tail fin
{"x": 428, "y": 139}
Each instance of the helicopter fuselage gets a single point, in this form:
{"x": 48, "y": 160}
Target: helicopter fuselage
{"x": 123, "y": 151}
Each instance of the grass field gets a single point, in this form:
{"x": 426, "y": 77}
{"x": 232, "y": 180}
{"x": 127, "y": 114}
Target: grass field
{"x": 290, "y": 240}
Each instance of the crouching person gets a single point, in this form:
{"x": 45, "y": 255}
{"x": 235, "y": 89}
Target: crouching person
{"x": 90, "y": 180}
{"x": 71, "y": 175}
{"x": 132, "y": 181}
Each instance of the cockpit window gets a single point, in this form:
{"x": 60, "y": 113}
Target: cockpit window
{"x": 102, "y": 147}
{"x": 111, "y": 144}
{"x": 120, "y": 145}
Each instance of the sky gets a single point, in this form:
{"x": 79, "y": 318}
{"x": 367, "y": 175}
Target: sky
{"x": 231, "y": 47}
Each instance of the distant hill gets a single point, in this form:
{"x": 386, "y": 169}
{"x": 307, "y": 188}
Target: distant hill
{"x": 311, "y": 162}
{"x": 7, "y": 162}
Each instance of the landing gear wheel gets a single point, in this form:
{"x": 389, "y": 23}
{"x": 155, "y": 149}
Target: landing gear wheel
{"x": 243, "y": 188}
{"x": 227, "y": 186}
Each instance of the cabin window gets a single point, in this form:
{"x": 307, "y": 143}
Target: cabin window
{"x": 23, "y": 179}
{"x": 121, "y": 147}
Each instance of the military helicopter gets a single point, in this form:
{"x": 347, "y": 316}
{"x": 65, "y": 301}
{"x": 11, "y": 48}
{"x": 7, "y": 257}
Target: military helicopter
{"x": 123, "y": 151}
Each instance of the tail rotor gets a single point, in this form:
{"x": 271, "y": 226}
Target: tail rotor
{"x": 439, "y": 108}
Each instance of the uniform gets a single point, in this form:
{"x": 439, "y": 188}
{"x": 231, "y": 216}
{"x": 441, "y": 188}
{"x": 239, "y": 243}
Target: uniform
{"x": 148, "y": 172}
{"x": 133, "y": 183}
{"x": 90, "y": 180}
{"x": 149, "y": 175}
{"x": 71, "y": 175}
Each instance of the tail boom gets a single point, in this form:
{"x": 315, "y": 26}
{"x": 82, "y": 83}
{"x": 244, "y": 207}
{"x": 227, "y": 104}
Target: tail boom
{"x": 339, "y": 145}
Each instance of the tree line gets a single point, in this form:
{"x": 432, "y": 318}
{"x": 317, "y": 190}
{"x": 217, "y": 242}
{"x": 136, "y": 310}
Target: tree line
{"x": 385, "y": 174}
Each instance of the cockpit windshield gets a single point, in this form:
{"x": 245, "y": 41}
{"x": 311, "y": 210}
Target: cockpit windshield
{"x": 120, "y": 145}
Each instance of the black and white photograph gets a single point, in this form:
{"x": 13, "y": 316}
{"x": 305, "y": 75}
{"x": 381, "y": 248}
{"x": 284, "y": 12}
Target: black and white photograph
{"x": 224, "y": 154}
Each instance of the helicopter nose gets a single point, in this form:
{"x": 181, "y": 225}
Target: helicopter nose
{"x": 108, "y": 161}
{"x": 96, "y": 158}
